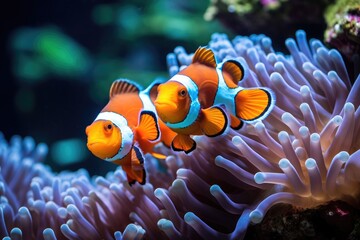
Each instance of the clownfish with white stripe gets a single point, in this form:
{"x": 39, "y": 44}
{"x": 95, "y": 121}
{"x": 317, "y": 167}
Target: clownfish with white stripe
{"x": 189, "y": 103}
{"x": 127, "y": 127}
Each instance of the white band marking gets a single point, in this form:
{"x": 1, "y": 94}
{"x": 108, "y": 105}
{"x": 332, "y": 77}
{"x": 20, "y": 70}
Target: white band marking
{"x": 126, "y": 132}
{"x": 194, "y": 109}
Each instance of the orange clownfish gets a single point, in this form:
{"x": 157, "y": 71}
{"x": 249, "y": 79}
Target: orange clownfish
{"x": 126, "y": 127}
{"x": 189, "y": 103}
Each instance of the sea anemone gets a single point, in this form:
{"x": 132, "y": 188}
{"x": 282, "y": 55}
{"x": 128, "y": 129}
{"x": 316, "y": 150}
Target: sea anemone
{"x": 37, "y": 203}
{"x": 305, "y": 153}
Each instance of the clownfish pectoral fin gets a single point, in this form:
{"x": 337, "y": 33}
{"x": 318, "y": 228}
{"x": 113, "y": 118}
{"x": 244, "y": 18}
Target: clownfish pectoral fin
{"x": 254, "y": 103}
{"x": 204, "y": 56}
{"x": 136, "y": 171}
{"x": 148, "y": 126}
{"x": 184, "y": 143}
{"x": 167, "y": 136}
{"x": 213, "y": 122}
{"x": 123, "y": 86}
{"x": 235, "y": 123}
{"x": 236, "y": 71}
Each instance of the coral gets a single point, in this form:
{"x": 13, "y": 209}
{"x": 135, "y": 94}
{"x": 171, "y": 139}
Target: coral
{"x": 343, "y": 27}
{"x": 306, "y": 153}
{"x": 333, "y": 220}
{"x": 248, "y": 16}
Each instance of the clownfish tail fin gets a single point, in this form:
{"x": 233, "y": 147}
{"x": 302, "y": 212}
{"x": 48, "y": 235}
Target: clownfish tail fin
{"x": 254, "y": 104}
{"x": 148, "y": 126}
{"x": 184, "y": 143}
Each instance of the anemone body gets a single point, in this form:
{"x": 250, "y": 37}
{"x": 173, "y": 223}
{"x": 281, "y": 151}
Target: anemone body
{"x": 305, "y": 153}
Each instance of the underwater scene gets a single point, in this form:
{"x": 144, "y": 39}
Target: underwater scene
{"x": 207, "y": 119}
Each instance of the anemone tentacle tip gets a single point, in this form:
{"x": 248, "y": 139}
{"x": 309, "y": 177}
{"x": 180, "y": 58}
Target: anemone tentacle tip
{"x": 290, "y": 41}
{"x": 259, "y": 178}
{"x": 300, "y": 33}
{"x": 304, "y": 90}
{"x": 310, "y": 163}
{"x": 159, "y": 192}
{"x": 181, "y": 172}
{"x": 24, "y": 211}
{"x": 164, "y": 224}
{"x": 349, "y": 107}
{"x": 286, "y": 117}
{"x": 215, "y": 189}
{"x": 343, "y": 156}
{"x": 256, "y": 216}
{"x": 283, "y": 136}
{"x": 62, "y": 212}
{"x": 337, "y": 119}
{"x": 237, "y": 140}
{"x": 304, "y": 131}
{"x": 189, "y": 217}
{"x": 284, "y": 163}
{"x": 304, "y": 107}
{"x": 266, "y": 42}
{"x": 49, "y": 233}
{"x": 259, "y": 126}
{"x": 315, "y": 137}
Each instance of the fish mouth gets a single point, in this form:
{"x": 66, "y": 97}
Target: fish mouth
{"x": 165, "y": 104}
{"x": 93, "y": 143}
{"x": 94, "y": 147}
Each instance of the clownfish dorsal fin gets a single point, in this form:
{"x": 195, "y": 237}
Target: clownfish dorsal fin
{"x": 204, "y": 56}
{"x": 123, "y": 86}
{"x": 235, "y": 69}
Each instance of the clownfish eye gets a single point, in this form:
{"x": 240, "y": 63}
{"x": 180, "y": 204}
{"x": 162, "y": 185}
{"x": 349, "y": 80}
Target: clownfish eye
{"x": 108, "y": 127}
{"x": 182, "y": 93}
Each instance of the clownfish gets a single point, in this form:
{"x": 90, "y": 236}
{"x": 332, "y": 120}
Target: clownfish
{"x": 190, "y": 102}
{"x": 127, "y": 127}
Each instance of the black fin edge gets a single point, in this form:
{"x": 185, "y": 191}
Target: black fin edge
{"x": 182, "y": 150}
{"x": 239, "y": 65}
{"x": 239, "y": 126}
{"x": 156, "y": 122}
{"x": 225, "y": 125}
{"x": 263, "y": 112}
